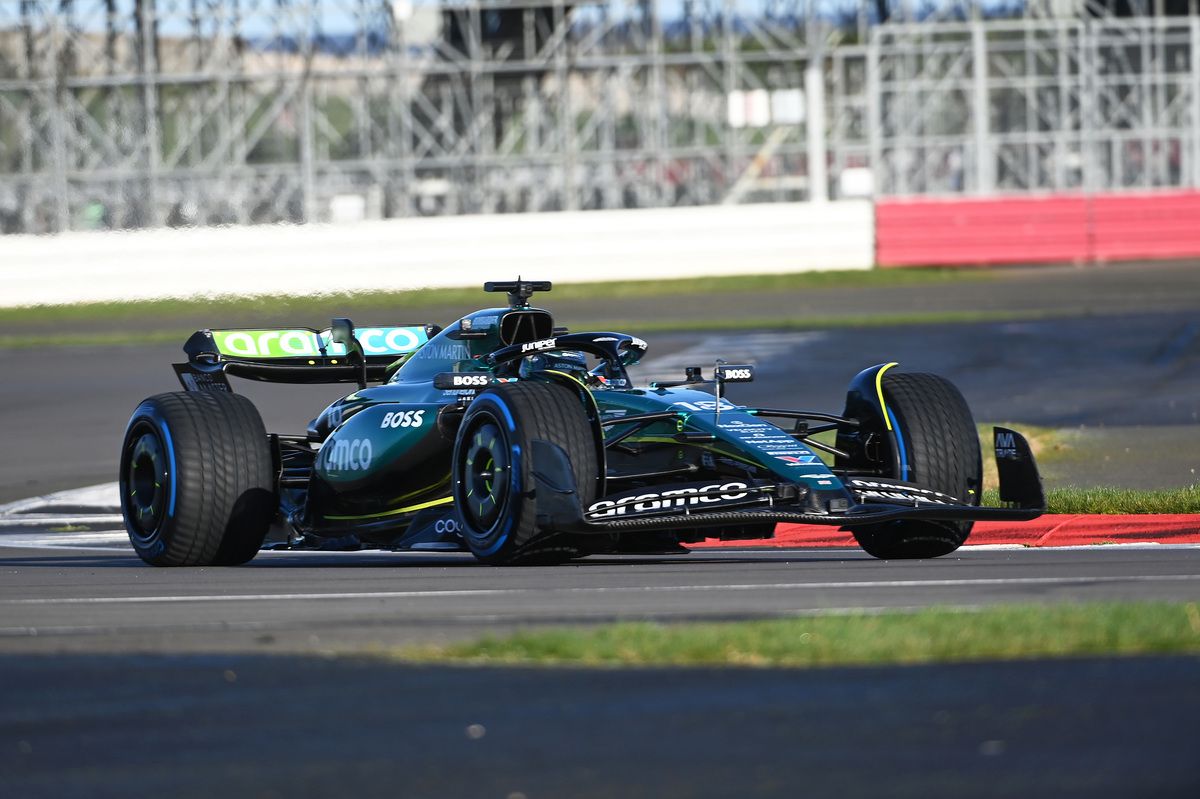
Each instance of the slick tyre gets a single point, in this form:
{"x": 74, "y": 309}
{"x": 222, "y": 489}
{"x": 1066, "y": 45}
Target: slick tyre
{"x": 197, "y": 480}
{"x": 939, "y": 449}
{"x": 492, "y": 471}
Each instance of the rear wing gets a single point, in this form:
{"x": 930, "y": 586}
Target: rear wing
{"x": 296, "y": 355}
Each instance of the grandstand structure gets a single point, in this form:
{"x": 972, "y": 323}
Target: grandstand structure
{"x": 122, "y": 114}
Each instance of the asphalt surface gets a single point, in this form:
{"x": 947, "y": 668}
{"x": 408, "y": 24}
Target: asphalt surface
{"x": 203, "y": 726}
{"x": 54, "y": 600}
{"x": 120, "y": 679}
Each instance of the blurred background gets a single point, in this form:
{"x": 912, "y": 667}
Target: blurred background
{"x": 128, "y": 114}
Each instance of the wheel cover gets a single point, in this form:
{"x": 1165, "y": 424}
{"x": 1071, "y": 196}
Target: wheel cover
{"x": 484, "y": 469}
{"x": 146, "y": 480}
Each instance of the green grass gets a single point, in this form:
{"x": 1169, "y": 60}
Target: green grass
{"x": 474, "y": 297}
{"x": 322, "y": 305}
{"x": 143, "y": 336}
{"x": 936, "y": 635}
{"x": 1111, "y": 500}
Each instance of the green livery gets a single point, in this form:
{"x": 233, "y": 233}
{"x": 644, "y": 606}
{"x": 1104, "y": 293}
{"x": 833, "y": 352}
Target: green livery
{"x": 509, "y": 437}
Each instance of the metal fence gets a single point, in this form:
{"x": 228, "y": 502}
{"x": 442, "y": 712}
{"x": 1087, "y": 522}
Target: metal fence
{"x": 143, "y": 113}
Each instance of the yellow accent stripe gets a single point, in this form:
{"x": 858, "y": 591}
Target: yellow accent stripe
{"x": 586, "y": 388}
{"x": 887, "y": 419}
{"x": 582, "y": 385}
{"x": 397, "y": 511}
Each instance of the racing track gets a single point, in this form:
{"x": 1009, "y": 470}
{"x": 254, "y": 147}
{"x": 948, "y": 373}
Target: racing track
{"x": 118, "y": 679}
{"x": 248, "y": 702}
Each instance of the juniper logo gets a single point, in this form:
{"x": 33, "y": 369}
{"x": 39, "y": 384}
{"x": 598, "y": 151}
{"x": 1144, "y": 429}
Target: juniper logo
{"x": 302, "y": 343}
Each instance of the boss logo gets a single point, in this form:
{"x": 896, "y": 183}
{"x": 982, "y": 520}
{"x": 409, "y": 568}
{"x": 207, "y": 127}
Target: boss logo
{"x": 740, "y": 373}
{"x": 403, "y": 419}
{"x": 470, "y": 380}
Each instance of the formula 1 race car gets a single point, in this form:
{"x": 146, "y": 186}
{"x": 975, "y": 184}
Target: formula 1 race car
{"x": 523, "y": 443}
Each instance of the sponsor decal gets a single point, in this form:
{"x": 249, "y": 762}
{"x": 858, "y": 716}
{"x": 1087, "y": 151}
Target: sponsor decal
{"x": 538, "y": 346}
{"x": 879, "y": 491}
{"x": 707, "y": 405}
{"x": 308, "y": 343}
{"x": 384, "y": 340}
{"x": 470, "y": 380}
{"x": 637, "y": 342}
{"x": 1006, "y": 446}
{"x": 449, "y": 525}
{"x": 341, "y": 455}
{"x": 797, "y": 460}
{"x": 199, "y": 381}
{"x": 680, "y": 497}
{"x": 403, "y": 419}
{"x": 444, "y": 352}
{"x": 737, "y": 374}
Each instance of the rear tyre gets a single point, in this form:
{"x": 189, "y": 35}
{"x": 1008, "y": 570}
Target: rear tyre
{"x": 197, "y": 480}
{"x": 493, "y": 479}
{"x": 939, "y": 449}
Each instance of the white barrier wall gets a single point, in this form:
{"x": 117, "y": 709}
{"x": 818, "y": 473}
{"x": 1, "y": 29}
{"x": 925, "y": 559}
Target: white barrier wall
{"x": 437, "y": 252}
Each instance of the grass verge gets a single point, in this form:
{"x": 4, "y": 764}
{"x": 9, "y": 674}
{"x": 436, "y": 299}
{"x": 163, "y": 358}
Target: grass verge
{"x": 1113, "y": 500}
{"x": 160, "y": 336}
{"x": 936, "y": 635}
{"x": 319, "y": 305}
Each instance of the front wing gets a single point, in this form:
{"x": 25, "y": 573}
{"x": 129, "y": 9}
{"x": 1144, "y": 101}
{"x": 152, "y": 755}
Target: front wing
{"x": 742, "y": 502}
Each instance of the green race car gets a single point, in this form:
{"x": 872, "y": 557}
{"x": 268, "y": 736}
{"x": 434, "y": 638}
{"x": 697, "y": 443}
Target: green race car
{"x": 521, "y": 442}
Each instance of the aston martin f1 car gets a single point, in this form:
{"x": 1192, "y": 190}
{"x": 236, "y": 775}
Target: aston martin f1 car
{"x": 521, "y": 442}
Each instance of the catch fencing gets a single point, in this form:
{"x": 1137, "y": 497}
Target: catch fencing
{"x": 123, "y": 114}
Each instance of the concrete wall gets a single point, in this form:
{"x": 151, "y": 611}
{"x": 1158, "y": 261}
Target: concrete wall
{"x": 437, "y": 252}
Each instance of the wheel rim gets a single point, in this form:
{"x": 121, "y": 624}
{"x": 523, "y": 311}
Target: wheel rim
{"x": 146, "y": 480}
{"x": 484, "y": 477}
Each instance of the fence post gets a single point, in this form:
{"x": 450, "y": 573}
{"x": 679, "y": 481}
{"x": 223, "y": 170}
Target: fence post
{"x": 1195, "y": 98}
{"x": 985, "y": 159}
{"x": 875, "y": 114}
{"x": 814, "y": 94}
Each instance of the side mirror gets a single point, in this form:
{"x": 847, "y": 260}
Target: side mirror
{"x": 341, "y": 331}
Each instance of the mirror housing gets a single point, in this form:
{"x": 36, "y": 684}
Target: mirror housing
{"x": 341, "y": 331}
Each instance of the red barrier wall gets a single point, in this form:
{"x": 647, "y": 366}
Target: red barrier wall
{"x": 1146, "y": 226}
{"x": 1068, "y": 228}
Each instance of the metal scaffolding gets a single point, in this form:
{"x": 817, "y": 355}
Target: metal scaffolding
{"x": 140, "y": 113}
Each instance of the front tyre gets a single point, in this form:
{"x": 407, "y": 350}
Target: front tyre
{"x": 939, "y": 449}
{"x": 197, "y": 480}
{"x": 493, "y": 469}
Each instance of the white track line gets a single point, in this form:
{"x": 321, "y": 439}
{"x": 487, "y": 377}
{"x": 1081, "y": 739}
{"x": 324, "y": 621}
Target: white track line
{"x": 104, "y": 498}
{"x": 37, "y": 519}
{"x": 128, "y": 600}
